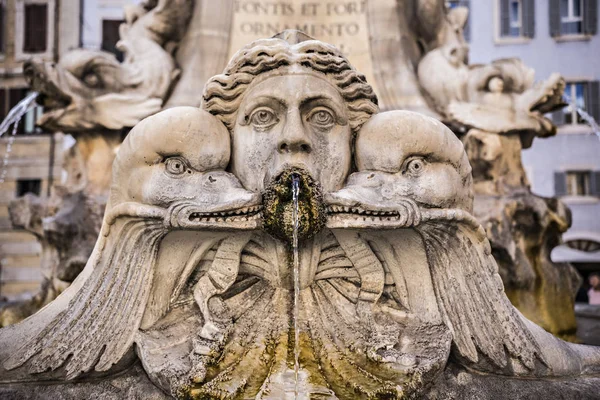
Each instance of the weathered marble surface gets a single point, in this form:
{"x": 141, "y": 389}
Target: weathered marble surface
{"x": 497, "y": 110}
{"x": 413, "y": 53}
{"x": 398, "y": 292}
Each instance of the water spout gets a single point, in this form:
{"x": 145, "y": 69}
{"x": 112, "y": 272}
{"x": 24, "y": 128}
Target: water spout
{"x": 295, "y": 219}
{"x": 13, "y": 118}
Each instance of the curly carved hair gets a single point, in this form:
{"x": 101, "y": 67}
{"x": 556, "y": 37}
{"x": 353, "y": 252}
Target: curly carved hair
{"x": 223, "y": 93}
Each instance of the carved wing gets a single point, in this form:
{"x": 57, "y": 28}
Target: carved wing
{"x": 471, "y": 298}
{"x": 98, "y": 326}
{"x": 490, "y": 119}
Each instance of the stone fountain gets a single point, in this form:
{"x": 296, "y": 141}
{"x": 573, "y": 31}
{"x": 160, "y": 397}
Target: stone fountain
{"x": 289, "y": 240}
{"x": 412, "y": 53}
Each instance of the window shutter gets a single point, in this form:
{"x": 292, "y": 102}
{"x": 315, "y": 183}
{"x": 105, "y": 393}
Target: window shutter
{"x": 3, "y": 103}
{"x": 1, "y": 27}
{"x": 560, "y": 183}
{"x": 528, "y": 19}
{"x": 554, "y": 8}
{"x": 504, "y": 18}
{"x": 595, "y": 183}
{"x": 590, "y": 17}
{"x": 592, "y": 99}
{"x": 558, "y": 117}
{"x": 467, "y": 28}
{"x": 110, "y": 37}
{"x": 36, "y": 32}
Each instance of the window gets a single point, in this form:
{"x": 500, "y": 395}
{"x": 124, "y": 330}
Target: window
{"x": 462, "y": 3}
{"x": 110, "y": 37}
{"x": 517, "y": 18}
{"x": 25, "y": 186}
{"x": 589, "y": 246}
{"x": 36, "y": 28}
{"x": 581, "y": 97}
{"x": 575, "y": 96}
{"x": 514, "y": 18}
{"x": 577, "y": 183}
{"x": 573, "y": 17}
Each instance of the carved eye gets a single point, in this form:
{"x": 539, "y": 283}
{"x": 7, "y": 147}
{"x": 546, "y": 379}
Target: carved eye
{"x": 176, "y": 165}
{"x": 415, "y": 166}
{"x": 263, "y": 118}
{"x": 321, "y": 118}
{"x": 91, "y": 79}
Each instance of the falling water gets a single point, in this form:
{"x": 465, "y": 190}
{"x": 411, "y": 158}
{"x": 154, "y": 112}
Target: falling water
{"x": 589, "y": 119}
{"x": 584, "y": 115}
{"x": 295, "y": 219}
{"x": 13, "y": 118}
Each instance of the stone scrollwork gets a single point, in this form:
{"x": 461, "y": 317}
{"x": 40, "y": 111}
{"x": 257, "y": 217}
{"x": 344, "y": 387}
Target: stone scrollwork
{"x": 192, "y": 272}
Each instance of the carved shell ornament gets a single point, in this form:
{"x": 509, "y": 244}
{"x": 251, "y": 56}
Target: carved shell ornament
{"x": 192, "y": 271}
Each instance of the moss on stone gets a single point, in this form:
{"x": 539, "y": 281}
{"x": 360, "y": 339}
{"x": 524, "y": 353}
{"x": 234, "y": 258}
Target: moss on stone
{"x": 279, "y": 206}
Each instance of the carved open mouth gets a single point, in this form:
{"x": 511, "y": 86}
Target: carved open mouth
{"x": 52, "y": 102}
{"x": 237, "y": 215}
{"x": 407, "y": 215}
{"x": 51, "y": 95}
{"x": 354, "y": 211}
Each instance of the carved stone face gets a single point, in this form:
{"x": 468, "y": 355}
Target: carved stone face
{"x": 292, "y": 121}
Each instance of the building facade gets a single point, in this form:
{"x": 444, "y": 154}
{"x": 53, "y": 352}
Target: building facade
{"x": 43, "y": 29}
{"x": 555, "y": 36}
{"x": 100, "y": 23}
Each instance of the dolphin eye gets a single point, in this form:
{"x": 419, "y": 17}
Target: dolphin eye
{"x": 176, "y": 165}
{"x": 263, "y": 118}
{"x": 91, "y": 79}
{"x": 415, "y": 166}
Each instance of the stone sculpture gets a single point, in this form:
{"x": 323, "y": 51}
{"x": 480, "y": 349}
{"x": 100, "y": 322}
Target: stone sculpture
{"x": 384, "y": 288}
{"x": 418, "y": 60}
{"x": 497, "y": 110}
{"x": 93, "y": 96}
{"x": 91, "y": 90}
{"x": 67, "y": 226}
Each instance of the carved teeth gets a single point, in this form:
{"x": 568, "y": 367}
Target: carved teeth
{"x": 242, "y": 214}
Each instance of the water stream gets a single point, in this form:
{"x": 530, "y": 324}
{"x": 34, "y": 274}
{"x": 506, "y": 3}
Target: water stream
{"x": 13, "y": 118}
{"x": 584, "y": 115}
{"x": 295, "y": 220}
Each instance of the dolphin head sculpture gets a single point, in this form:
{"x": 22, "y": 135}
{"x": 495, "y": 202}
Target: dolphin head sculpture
{"x": 413, "y": 173}
{"x": 168, "y": 176}
{"x": 408, "y": 164}
{"x": 173, "y": 162}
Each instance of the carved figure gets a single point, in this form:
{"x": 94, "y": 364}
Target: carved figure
{"x": 421, "y": 162}
{"x": 67, "y": 225}
{"x": 500, "y": 97}
{"x": 497, "y": 110}
{"x": 158, "y": 185}
{"x": 396, "y": 296}
{"x": 91, "y": 90}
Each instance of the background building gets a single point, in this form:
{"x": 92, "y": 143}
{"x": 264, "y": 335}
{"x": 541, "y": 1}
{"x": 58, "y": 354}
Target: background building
{"x": 43, "y": 29}
{"x": 100, "y": 23}
{"x": 555, "y": 36}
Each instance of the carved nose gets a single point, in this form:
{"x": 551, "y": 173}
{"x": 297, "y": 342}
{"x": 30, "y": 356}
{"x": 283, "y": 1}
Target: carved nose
{"x": 294, "y": 139}
{"x": 298, "y": 146}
